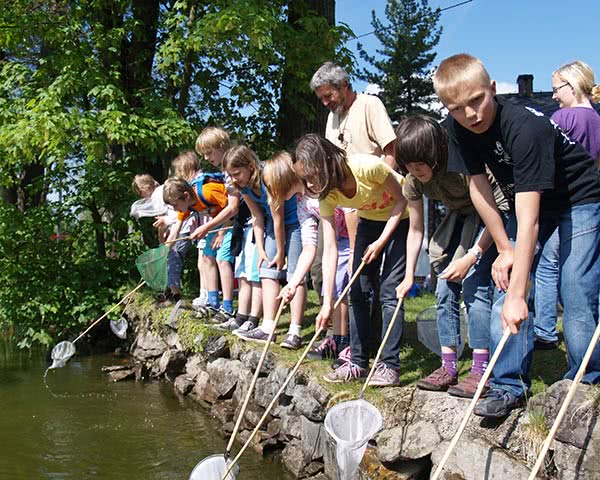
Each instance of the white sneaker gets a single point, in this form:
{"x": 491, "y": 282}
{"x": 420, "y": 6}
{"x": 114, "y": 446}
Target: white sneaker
{"x": 199, "y": 302}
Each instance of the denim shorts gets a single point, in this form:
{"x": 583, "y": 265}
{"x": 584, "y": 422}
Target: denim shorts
{"x": 342, "y": 277}
{"x": 293, "y": 248}
{"x": 246, "y": 263}
{"x": 223, "y": 253}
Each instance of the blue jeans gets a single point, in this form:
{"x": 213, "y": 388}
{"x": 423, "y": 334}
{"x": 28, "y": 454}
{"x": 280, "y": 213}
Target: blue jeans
{"x": 579, "y": 253}
{"x": 477, "y": 294}
{"x": 175, "y": 262}
{"x": 544, "y": 295}
{"x": 386, "y": 271}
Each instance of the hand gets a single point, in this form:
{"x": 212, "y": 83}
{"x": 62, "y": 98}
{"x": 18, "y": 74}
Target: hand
{"x": 458, "y": 269}
{"x": 217, "y": 241}
{"x": 501, "y": 269}
{"x": 404, "y": 287}
{"x": 199, "y": 233}
{"x": 324, "y": 317}
{"x": 372, "y": 252}
{"x": 278, "y": 261}
{"x": 262, "y": 257}
{"x": 160, "y": 222}
{"x": 514, "y": 313}
{"x": 287, "y": 293}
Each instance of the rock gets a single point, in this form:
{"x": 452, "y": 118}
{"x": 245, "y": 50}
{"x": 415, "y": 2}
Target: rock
{"x": 171, "y": 363}
{"x": 474, "y": 459}
{"x": 414, "y": 440}
{"x": 224, "y": 375}
{"x": 312, "y": 438}
{"x": 250, "y": 360}
{"x": 216, "y": 347}
{"x": 293, "y": 458}
{"x": 291, "y": 425}
{"x": 267, "y": 387}
{"x": 203, "y": 389}
{"x": 573, "y": 463}
{"x": 370, "y": 467}
{"x": 119, "y": 373}
{"x": 173, "y": 341}
{"x": 194, "y": 365}
{"x": 319, "y": 393}
{"x": 223, "y": 411}
{"x": 184, "y": 383}
{"x": 243, "y": 384}
{"x": 149, "y": 346}
{"x": 306, "y": 404}
{"x": 236, "y": 349}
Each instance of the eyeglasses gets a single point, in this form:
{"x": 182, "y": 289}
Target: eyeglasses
{"x": 556, "y": 89}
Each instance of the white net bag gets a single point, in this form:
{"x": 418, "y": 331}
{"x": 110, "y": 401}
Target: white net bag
{"x": 213, "y": 468}
{"x": 61, "y": 354}
{"x": 352, "y": 424}
{"x": 119, "y": 327}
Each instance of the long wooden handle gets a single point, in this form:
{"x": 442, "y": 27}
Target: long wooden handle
{"x": 482, "y": 382}
{"x": 189, "y": 237}
{"x": 566, "y": 402}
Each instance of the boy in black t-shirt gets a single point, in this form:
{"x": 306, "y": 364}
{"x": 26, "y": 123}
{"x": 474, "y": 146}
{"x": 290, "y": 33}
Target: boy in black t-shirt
{"x": 551, "y": 183}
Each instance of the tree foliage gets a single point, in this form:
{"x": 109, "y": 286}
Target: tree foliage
{"x": 94, "y": 91}
{"x": 403, "y": 65}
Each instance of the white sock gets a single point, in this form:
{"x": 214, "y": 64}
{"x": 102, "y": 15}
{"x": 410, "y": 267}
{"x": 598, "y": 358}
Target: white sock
{"x": 267, "y": 326}
{"x": 294, "y": 329}
{"x": 204, "y": 295}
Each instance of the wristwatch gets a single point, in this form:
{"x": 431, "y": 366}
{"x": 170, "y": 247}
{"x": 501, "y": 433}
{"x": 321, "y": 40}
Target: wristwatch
{"x": 476, "y": 252}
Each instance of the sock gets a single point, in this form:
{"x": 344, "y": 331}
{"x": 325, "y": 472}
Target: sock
{"x": 254, "y": 320}
{"x": 480, "y": 362}
{"x": 213, "y": 299}
{"x": 449, "y": 363}
{"x": 294, "y": 329}
{"x": 228, "y": 306}
{"x": 267, "y": 326}
{"x": 204, "y": 295}
{"x": 241, "y": 318}
{"x": 341, "y": 342}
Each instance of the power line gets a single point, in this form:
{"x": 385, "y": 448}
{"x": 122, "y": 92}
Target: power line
{"x": 356, "y": 37}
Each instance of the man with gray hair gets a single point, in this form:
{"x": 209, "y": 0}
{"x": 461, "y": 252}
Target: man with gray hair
{"x": 357, "y": 123}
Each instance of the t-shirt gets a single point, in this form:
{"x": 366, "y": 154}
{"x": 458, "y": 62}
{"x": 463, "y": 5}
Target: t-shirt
{"x": 371, "y": 200}
{"x": 364, "y": 128}
{"x": 526, "y": 152}
{"x": 290, "y": 215}
{"x": 210, "y": 196}
{"x": 582, "y": 125}
{"x": 309, "y": 216}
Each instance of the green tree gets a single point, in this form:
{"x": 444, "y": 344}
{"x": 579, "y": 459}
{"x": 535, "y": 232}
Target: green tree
{"x": 403, "y": 65}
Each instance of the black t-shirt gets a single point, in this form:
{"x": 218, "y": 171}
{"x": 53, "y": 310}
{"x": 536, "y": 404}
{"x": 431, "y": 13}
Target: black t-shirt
{"x": 526, "y": 152}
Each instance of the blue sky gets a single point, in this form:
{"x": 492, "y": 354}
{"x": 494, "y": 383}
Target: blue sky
{"x": 510, "y": 36}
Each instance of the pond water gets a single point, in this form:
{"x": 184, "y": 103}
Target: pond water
{"x": 80, "y": 426}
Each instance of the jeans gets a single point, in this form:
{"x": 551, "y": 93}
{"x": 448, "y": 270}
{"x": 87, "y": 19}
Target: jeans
{"x": 579, "y": 254}
{"x": 175, "y": 262}
{"x": 386, "y": 271}
{"x": 477, "y": 294}
{"x": 544, "y": 295}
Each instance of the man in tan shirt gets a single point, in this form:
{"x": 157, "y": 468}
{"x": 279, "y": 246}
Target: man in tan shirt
{"x": 357, "y": 123}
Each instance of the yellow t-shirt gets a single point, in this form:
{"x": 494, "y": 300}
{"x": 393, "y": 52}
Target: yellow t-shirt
{"x": 371, "y": 200}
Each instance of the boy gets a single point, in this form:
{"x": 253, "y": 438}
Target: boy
{"x": 551, "y": 183}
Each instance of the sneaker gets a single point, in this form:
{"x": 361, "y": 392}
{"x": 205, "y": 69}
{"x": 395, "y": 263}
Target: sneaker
{"x": 543, "y": 344}
{"x": 293, "y": 342}
{"x": 344, "y": 356}
{"x": 231, "y": 324}
{"x": 327, "y": 349}
{"x": 467, "y": 386}
{"x": 245, "y": 327}
{"x": 199, "y": 302}
{"x": 168, "y": 300}
{"x": 438, "y": 381}
{"x": 347, "y": 372}
{"x": 497, "y": 403}
{"x": 221, "y": 316}
{"x": 255, "y": 335}
{"x": 384, "y": 376}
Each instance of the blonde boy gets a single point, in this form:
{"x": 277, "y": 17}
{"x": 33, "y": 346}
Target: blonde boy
{"x": 551, "y": 183}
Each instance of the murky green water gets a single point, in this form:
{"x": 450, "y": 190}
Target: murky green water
{"x": 94, "y": 429}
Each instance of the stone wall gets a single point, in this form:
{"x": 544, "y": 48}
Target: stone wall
{"x": 418, "y": 424}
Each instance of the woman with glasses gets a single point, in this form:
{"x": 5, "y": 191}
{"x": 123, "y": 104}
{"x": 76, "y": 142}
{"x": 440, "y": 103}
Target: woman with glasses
{"x": 574, "y": 88}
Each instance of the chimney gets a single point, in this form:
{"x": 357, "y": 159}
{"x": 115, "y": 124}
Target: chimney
{"x": 525, "y": 83}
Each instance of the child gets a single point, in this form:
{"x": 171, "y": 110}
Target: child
{"x": 283, "y": 183}
{"x": 277, "y": 236}
{"x": 366, "y": 183}
{"x": 212, "y": 144}
{"x": 455, "y": 250}
{"x": 151, "y": 204}
{"x": 552, "y": 182}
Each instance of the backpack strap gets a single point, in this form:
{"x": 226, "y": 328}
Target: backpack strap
{"x": 203, "y": 178}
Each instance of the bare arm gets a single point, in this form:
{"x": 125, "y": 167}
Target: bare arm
{"x": 414, "y": 241}
{"x": 233, "y": 205}
{"x": 389, "y": 152}
{"x": 174, "y": 232}
{"x": 279, "y": 229}
{"x": 258, "y": 225}
{"x": 330, "y": 259}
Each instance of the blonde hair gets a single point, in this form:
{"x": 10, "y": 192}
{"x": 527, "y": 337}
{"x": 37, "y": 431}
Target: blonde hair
{"x": 175, "y": 189}
{"x": 143, "y": 182}
{"x": 243, "y": 157}
{"x": 279, "y": 177}
{"x": 186, "y": 165}
{"x": 456, "y": 71}
{"x": 580, "y": 77}
{"x": 212, "y": 138}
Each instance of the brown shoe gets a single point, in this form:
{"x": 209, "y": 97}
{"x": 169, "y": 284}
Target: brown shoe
{"x": 438, "y": 381}
{"x": 467, "y": 386}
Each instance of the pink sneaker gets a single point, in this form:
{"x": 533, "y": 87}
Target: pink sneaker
{"x": 344, "y": 356}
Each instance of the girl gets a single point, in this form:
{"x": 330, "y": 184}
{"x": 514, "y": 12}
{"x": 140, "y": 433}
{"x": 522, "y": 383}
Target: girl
{"x": 277, "y": 235}
{"x": 366, "y": 183}
{"x": 283, "y": 183}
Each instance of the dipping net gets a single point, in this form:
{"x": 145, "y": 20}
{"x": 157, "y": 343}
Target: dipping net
{"x": 352, "y": 424}
{"x": 427, "y": 331}
{"x": 119, "y": 327}
{"x": 61, "y": 353}
{"x": 213, "y": 468}
{"x": 152, "y": 266}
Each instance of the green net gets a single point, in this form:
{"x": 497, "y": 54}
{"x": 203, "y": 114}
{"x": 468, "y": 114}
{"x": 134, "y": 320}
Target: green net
{"x": 152, "y": 266}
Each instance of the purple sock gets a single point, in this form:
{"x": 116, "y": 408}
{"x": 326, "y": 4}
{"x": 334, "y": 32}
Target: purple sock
{"x": 449, "y": 363}
{"x": 480, "y": 362}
